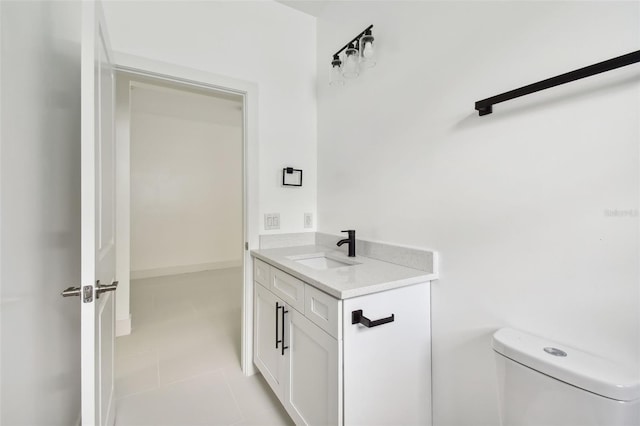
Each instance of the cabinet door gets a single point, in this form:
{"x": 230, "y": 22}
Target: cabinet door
{"x": 267, "y": 330}
{"x": 387, "y": 367}
{"x": 312, "y": 395}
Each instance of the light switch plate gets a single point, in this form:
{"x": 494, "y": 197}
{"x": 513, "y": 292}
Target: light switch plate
{"x": 271, "y": 221}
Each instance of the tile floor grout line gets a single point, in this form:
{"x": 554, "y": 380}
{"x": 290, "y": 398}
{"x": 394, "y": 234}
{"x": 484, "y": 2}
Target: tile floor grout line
{"x": 131, "y": 355}
{"x": 155, "y": 387}
{"x": 186, "y": 379}
{"x": 158, "y": 367}
{"x": 136, "y": 393}
{"x": 153, "y": 300}
{"x": 166, "y": 385}
{"x": 233, "y": 396}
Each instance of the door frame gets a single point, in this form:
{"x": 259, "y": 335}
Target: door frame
{"x": 144, "y": 67}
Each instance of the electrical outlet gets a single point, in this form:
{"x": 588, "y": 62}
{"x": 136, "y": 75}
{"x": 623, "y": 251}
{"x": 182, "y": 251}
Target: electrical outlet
{"x": 271, "y": 221}
{"x": 308, "y": 220}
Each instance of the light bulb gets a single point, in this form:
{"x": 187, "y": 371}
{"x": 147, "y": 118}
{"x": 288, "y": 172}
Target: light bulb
{"x": 351, "y": 65}
{"x": 336, "y": 72}
{"x": 368, "y": 52}
{"x": 336, "y": 77}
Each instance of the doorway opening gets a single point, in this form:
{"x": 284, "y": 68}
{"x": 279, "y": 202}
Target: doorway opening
{"x": 200, "y": 80}
{"x": 197, "y": 80}
{"x": 182, "y": 189}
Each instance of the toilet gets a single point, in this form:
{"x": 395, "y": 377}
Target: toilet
{"x": 545, "y": 383}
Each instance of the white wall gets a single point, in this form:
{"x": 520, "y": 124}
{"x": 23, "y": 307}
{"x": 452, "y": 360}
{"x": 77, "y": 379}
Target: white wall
{"x": 186, "y": 181}
{"x": 263, "y": 42}
{"x": 40, "y": 221}
{"x": 516, "y": 202}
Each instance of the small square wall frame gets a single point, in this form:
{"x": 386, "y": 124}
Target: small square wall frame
{"x": 291, "y": 177}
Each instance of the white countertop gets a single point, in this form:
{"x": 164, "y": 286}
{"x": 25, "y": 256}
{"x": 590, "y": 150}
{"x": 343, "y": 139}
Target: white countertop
{"x": 368, "y": 276}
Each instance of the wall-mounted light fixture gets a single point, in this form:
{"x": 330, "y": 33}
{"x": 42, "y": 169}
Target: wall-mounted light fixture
{"x": 359, "y": 52}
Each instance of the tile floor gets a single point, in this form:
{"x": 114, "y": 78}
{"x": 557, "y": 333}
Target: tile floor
{"x": 181, "y": 363}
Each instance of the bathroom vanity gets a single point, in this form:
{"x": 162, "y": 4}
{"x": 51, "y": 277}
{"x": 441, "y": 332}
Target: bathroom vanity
{"x": 343, "y": 340}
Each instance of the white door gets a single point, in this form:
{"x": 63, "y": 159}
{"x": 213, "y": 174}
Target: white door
{"x": 312, "y": 395}
{"x": 98, "y": 221}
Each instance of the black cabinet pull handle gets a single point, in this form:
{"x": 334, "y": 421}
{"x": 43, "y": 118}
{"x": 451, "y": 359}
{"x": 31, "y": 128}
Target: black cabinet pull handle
{"x": 283, "y": 346}
{"x": 358, "y": 318}
{"x": 277, "y": 340}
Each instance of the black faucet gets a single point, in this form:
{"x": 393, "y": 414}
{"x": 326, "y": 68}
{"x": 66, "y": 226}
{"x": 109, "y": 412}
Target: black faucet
{"x": 351, "y": 241}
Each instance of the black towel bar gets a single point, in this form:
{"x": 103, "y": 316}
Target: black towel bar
{"x": 485, "y": 106}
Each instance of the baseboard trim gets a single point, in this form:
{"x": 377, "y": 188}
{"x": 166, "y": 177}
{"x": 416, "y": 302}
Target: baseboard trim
{"x": 251, "y": 370}
{"x": 123, "y": 326}
{"x": 183, "y": 269}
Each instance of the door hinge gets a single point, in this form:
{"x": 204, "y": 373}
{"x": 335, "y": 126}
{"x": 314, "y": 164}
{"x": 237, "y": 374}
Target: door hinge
{"x": 87, "y": 294}
{"x": 246, "y": 245}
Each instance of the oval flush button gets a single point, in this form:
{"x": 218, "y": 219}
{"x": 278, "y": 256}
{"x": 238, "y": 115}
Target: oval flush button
{"x": 555, "y": 351}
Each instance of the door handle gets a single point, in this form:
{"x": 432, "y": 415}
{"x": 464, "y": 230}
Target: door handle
{"x": 283, "y": 346}
{"x": 102, "y": 288}
{"x": 277, "y": 310}
{"x": 76, "y": 291}
{"x": 71, "y": 291}
{"x": 86, "y": 292}
{"x": 358, "y": 318}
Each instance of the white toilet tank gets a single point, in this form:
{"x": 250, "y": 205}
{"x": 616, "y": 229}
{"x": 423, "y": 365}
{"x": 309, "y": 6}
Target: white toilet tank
{"x": 545, "y": 383}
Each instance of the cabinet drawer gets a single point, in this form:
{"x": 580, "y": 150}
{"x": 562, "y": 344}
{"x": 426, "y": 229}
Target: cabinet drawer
{"x": 288, "y": 288}
{"x": 261, "y": 272}
{"x": 323, "y": 310}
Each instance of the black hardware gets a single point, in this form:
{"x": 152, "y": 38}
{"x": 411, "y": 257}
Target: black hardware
{"x": 358, "y": 318}
{"x": 277, "y": 340}
{"x": 354, "y": 46}
{"x": 485, "y": 106}
{"x": 351, "y": 241}
{"x": 289, "y": 171}
{"x": 355, "y": 39}
{"x": 283, "y": 346}
{"x": 336, "y": 62}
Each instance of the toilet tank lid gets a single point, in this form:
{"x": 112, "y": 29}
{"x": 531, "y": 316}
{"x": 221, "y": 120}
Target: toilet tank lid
{"x": 578, "y": 368}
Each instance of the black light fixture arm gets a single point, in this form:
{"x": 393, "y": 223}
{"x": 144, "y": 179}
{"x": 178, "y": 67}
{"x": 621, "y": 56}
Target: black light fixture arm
{"x": 356, "y": 38}
{"x": 485, "y": 106}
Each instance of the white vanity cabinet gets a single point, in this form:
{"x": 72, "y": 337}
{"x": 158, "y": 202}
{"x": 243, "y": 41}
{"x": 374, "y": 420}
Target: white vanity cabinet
{"x": 329, "y": 367}
{"x": 297, "y": 358}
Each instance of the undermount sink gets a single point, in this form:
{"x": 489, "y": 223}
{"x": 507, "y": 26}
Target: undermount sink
{"x": 321, "y": 261}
